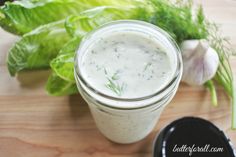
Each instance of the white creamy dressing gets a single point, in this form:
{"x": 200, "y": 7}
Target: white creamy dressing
{"x": 126, "y": 65}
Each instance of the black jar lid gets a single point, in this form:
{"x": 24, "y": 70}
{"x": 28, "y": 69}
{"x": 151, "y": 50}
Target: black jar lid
{"x": 192, "y": 137}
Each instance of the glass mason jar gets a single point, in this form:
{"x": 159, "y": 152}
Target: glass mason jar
{"x": 125, "y": 120}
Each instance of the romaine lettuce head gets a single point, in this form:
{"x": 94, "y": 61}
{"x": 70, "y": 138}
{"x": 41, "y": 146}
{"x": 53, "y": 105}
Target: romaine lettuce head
{"x": 20, "y": 17}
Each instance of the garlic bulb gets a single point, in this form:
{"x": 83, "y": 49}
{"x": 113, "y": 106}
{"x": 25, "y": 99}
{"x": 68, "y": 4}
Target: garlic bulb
{"x": 200, "y": 62}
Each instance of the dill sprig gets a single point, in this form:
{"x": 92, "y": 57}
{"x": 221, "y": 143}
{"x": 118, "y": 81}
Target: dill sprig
{"x": 115, "y": 86}
{"x": 112, "y": 83}
{"x": 177, "y": 18}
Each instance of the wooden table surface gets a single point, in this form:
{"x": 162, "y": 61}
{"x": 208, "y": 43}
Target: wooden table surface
{"x": 33, "y": 124}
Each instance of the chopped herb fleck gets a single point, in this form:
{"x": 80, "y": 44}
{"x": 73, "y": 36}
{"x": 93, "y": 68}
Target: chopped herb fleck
{"x": 98, "y": 67}
{"x": 105, "y": 71}
{"x": 93, "y": 52}
{"x": 118, "y": 55}
{"x": 92, "y": 63}
{"x": 147, "y": 66}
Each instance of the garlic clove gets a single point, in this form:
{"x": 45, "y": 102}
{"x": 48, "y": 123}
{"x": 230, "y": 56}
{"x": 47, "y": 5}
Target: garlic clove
{"x": 188, "y": 46}
{"x": 200, "y": 62}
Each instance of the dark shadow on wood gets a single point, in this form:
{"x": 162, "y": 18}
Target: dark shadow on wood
{"x": 33, "y": 79}
{"x": 78, "y": 106}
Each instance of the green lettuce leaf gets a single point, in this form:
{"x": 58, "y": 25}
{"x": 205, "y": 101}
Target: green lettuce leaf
{"x": 70, "y": 46}
{"x": 57, "y": 86}
{"x": 63, "y": 64}
{"x": 62, "y": 81}
{"x": 20, "y": 17}
{"x": 36, "y": 49}
{"x": 90, "y": 19}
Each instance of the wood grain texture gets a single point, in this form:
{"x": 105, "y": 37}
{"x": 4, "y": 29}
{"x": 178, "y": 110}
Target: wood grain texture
{"x": 33, "y": 124}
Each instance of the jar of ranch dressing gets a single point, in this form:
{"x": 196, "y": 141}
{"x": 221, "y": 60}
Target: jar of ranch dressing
{"x": 127, "y": 71}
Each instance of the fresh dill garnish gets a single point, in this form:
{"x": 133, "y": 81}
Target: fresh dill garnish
{"x": 112, "y": 83}
{"x": 115, "y": 86}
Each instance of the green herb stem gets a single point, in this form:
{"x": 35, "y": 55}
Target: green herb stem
{"x": 115, "y": 87}
{"x": 210, "y": 85}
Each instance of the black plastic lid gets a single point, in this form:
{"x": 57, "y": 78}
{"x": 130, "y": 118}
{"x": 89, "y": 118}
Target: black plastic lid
{"x": 192, "y": 137}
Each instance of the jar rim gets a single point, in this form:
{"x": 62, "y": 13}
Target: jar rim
{"x": 176, "y": 75}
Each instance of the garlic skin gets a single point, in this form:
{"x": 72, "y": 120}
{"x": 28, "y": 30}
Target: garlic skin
{"x": 200, "y": 62}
